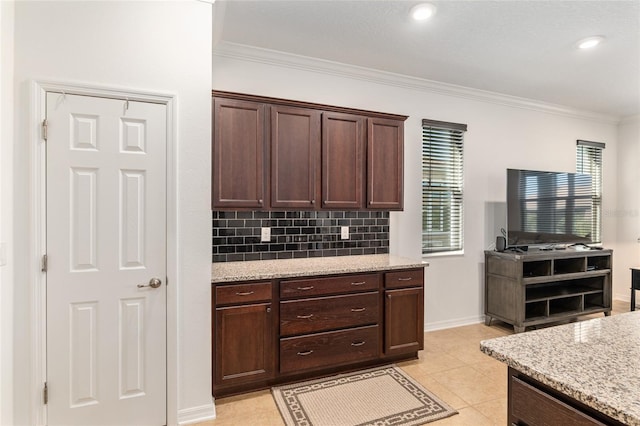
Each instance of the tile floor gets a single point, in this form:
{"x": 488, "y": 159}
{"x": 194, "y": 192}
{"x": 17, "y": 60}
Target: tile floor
{"x": 451, "y": 366}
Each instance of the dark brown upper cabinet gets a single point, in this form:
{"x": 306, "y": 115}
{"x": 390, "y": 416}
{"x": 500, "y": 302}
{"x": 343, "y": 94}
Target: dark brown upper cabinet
{"x": 385, "y": 143}
{"x": 238, "y": 154}
{"x": 280, "y": 154}
{"x": 343, "y": 144}
{"x": 295, "y": 153}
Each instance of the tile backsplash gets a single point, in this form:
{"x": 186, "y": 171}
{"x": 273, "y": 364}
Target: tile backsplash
{"x": 236, "y": 234}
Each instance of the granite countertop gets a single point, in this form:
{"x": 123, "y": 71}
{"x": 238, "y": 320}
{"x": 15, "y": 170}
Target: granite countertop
{"x": 596, "y": 362}
{"x": 286, "y": 268}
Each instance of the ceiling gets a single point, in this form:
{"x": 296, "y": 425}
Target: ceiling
{"x": 520, "y": 48}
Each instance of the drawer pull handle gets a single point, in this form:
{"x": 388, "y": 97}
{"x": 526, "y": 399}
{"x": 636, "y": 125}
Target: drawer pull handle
{"x": 362, "y": 342}
{"x": 404, "y": 279}
{"x": 358, "y": 309}
{"x": 244, "y": 293}
{"x": 359, "y": 283}
{"x": 304, "y": 316}
{"x": 305, "y": 353}
{"x": 305, "y": 288}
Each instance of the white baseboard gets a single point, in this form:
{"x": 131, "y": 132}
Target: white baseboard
{"x": 203, "y": 413}
{"x": 459, "y": 322}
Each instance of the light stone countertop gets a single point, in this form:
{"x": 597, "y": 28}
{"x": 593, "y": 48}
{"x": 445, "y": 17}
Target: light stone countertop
{"x": 596, "y": 362}
{"x": 287, "y": 268}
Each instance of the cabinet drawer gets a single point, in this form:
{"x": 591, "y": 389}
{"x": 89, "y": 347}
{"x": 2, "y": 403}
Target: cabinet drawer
{"x": 410, "y": 278}
{"x": 325, "y": 286}
{"x": 532, "y": 406}
{"x": 327, "y": 313}
{"x": 243, "y": 293}
{"x": 328, "y": 349}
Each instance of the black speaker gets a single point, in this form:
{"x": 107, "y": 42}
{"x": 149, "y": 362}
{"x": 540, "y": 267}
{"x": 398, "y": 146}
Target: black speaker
{"x": 501, "y": 244}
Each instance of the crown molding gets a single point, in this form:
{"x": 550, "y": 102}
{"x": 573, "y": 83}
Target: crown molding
{"x": 306, "y": 63}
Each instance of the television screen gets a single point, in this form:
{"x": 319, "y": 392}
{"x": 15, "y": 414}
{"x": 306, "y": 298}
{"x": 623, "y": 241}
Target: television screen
{"x": 548, "y": 208}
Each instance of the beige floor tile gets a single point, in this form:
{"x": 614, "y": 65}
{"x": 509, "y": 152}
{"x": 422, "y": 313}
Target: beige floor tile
{"x": 467, "y": 416}
{"x": 256, "y": 408}
{"x": 471, "y": 385}
{"x": 495, "y": 410}
{"x": 442, "y": 342}
{"x": 492, "y": 368}
{"x": 468, "y": 353}
{"x": 480, "y": 331}
{"x": 440, "y": 361}
{"x": 442, "y": 392}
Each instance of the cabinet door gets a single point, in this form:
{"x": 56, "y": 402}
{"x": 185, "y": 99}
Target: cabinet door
{"x": 295, "y": 157}
{"x": 385, "y": 145}
{"x": 343, "y": 144}
{"x": 403, "y": 321}
{"x": 244, "y": 344}
{"x": 238, "y": 154}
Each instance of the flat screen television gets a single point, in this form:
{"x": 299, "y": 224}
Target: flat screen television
{"x": 548, "y": 208}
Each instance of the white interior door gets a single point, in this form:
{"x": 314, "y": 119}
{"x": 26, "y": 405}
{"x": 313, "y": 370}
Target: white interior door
{"x": 106, "y": 236}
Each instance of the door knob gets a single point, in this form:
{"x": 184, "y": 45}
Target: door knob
{"x": 153, "y": 283}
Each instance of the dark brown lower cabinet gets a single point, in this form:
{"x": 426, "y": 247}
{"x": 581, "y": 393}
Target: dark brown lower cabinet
{"x": 403, "y": 325}
{"x": 244, "y": 344}
{"x": 403, "y": 312}
{"x": 274, "y": 332}
{"x": 532, "y": 403}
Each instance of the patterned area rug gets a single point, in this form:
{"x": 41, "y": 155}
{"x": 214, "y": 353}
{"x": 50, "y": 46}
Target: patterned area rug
{"x": 378, "y": 396}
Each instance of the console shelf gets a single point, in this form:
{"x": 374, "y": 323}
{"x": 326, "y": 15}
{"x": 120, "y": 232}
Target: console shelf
{"x": 539, "y": 287}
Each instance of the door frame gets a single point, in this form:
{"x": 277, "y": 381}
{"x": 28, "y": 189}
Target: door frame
{"x": 38, "y": 287}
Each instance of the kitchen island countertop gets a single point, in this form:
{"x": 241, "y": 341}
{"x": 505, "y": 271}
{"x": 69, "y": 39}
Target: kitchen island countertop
{"x": 288, "y": 268}
{"x": 596, "y": 362}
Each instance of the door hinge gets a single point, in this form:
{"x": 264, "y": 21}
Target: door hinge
{"x": 45, "y": 262}
{"x": 44, "y": 129}
{"x": 46, "y": 393}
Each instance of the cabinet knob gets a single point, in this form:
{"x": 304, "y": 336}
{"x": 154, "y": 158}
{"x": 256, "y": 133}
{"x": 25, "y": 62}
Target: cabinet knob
{"x": 305, "y": 353}
{"x": 358, "y": 309}
{"x": 313, "y": 201}
{"x": 268, "y": 310}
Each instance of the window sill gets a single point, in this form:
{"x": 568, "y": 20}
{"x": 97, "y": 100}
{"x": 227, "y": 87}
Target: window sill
{"x": 443, "y": 254}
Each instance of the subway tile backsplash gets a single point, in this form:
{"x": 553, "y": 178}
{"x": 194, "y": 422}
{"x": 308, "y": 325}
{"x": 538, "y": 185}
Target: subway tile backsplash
{"x": 236, "y": 235}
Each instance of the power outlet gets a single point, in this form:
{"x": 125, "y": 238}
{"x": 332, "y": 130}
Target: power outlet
{"x": 265, "y": 235}
{"x": 344, "y": 232}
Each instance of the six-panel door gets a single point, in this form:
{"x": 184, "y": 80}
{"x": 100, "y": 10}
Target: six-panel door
{"x": 106, "y": 242}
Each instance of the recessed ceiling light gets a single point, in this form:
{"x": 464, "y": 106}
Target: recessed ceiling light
{"x": 589, "y": 42}
{"x": 422, "y": 11}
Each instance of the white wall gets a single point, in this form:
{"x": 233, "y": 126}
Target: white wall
{"x": 628, "y": 211}
{"x": 6, "y": 216}
{"x": 151, "y": 46}
{"x": 502, "y": 133}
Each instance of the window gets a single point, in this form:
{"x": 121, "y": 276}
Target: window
{"x": 589, "y": 161}
{"x": 442, "y": 177}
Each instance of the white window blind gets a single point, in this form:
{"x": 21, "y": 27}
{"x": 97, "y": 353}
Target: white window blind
{"x": 589, "y": 161}
{"x": 442, "y": 192}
